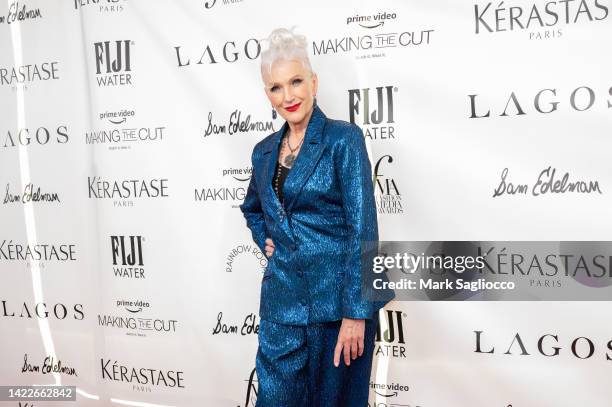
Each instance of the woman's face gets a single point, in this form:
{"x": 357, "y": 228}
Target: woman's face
{"x": 291, "y": 90}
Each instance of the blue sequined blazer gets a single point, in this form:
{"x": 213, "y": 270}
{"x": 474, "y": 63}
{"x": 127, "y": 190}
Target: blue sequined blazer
{"x": 314, "y": 274}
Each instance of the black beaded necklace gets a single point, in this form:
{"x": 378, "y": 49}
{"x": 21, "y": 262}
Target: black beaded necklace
{"x": 276, "y": 183}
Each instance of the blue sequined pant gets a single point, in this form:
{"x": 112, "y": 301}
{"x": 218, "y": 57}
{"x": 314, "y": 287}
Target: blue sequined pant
{"x": 295, "y": 366}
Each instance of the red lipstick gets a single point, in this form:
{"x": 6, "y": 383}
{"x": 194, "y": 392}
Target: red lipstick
{"x": 294, "y": 107}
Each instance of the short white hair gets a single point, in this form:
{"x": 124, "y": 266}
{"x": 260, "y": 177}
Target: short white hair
{"x": 285, "y": 45}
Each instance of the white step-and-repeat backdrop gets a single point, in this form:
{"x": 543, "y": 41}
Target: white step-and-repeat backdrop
{"x": 127, "y": 270}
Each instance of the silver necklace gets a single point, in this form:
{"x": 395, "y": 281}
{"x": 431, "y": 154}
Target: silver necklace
{"x": 290, "y": 158}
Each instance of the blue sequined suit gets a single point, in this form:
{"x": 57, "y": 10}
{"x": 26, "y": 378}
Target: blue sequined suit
{"x": 314, "y": 276}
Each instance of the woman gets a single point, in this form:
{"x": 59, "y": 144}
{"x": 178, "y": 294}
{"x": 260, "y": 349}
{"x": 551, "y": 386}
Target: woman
{"x": 309, "y": 205}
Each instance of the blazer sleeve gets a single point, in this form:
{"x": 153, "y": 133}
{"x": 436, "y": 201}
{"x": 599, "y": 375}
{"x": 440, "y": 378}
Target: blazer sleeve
{"x": 355, "y": 175}
{"x": 251, "y": 209}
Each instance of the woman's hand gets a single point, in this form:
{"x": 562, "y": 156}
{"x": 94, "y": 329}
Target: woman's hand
{"x": 269, "y": 247}
{"x": 350, "y": 338}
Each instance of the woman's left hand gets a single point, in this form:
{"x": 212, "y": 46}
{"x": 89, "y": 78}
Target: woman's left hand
{"x": 350, "y": 338}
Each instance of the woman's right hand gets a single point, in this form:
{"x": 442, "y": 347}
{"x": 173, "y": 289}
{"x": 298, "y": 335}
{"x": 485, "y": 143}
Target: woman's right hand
{"x": 269, "y": 247}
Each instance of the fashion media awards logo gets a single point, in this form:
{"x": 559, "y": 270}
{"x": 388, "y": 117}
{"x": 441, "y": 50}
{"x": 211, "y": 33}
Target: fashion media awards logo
{"x": 218, "y": 53}
{"x": 544, "y": 101}
{"x": 116, "y": 130}
{"x": 390, "y": 342}
{"x": 134, "y": 319}
{"x": 18, "y": 11}
{"x": 113, "y": 62}
{"x": 251, "y": 390}
{"x": 373, "y": 36}
{"x": 231, "y": 189}
{"x": 22, "y": 76}
{"x": 208, "y": 4}
{"x": 372, "y": 110}
{"x": 125, "y": 192}
{"x": 41, "y": 310}
{"x": 127, "y": 256}
{"x": 40, "y": 136}
{"x": 386, "y": 191}
{"x": 102, "y": 6}
{"x": 541, "y": 20}
{"x": 544, "y": 345}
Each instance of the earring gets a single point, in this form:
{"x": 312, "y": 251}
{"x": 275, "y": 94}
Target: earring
{"x": 314, "y": 102}
{"x": 273, "y": 113}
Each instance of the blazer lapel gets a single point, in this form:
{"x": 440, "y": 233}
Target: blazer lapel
{"x": 307, "y": 158}
{"x": 269, "y": 167}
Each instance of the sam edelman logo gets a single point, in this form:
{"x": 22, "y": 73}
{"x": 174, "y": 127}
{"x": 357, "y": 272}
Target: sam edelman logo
{"x": 237, "y": 122}
{"x": 18, "y": 12}
{"x": 113, "y": 62}
{"x": 386, "y": 192}
{"x": 248, "y": 326}
{"x": 547, "y": 182}
{"x": 391, "y": 342}
{"x": 372, "y": 110}
{"x": 31, "y": 193}
{"x": 49, "y": 365}
{"x": 127, "y": 256}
